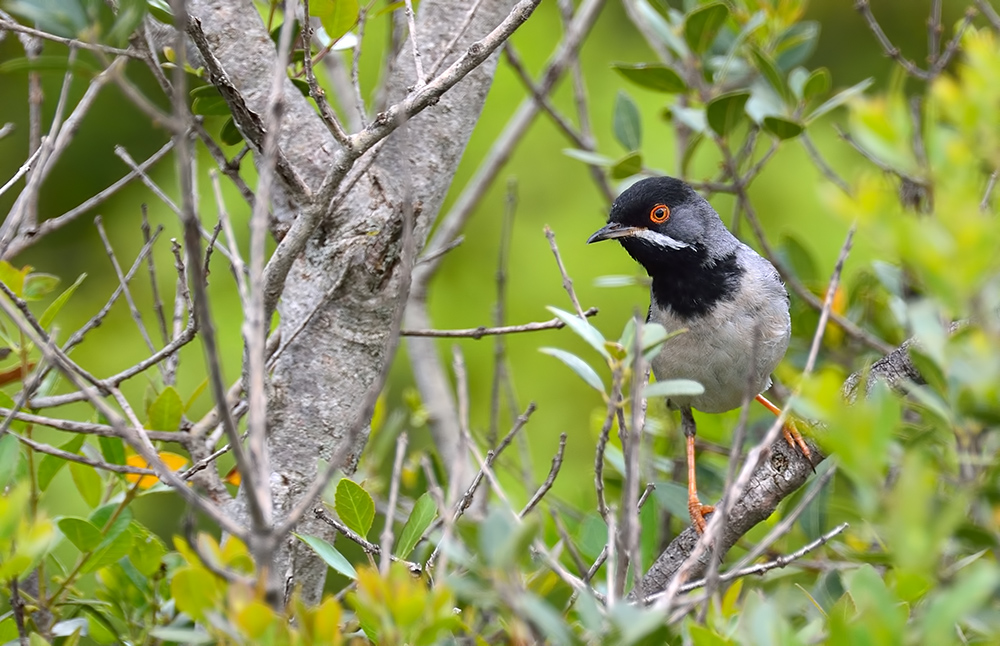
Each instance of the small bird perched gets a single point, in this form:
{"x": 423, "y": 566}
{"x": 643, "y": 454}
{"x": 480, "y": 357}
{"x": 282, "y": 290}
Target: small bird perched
{"x": 720, "y": 290}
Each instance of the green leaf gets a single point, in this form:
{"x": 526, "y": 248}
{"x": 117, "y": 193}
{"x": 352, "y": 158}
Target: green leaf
{"x": 766, "y": 67}
{"x": 88, "y": 483}
{"x": 673, "y": 497}
{"x": 147, "y": 550}
{"x": 725, "y": 111}
{"x": 37, "y": 286}
{"x": 577, "y": 365}
{"x": 588, "y": 157}
{"x": 627, "y": 122}
{"x": 546, "y": 618}
{"x": 195, "y": 591}
{"x": 55, "y": 306}
{"x": 582, "y": 328}
{"x": 702, "y": 25}
{"x": 10, "y": 452}
{"x": 354, "y": 506}
{"x": 330, "y": 555}
{"x": 161, "y": 11}
{"x": 423, "y": 514}
{"x": 116, "y": 545}
{"x": 813, "y": 520}
{"x": 230, "y": 134}
{"x": 13, "y": 278}
{"x": 797, "y": 44}
{"x": 129, "y": 17}
{"x": 783, "y": 128}
{"x": 113, "y": 449}
{"x": 182, "y": 635}
{"x": 165, "y": 412}
{"x": 12, "y": 509}
{"x": 627, "y": 166}
{"x": 60, "y": 64}
{"x": 336, "y": 16}
{"x": 839, "y": 99}
{"x": 50, "y": 465}
{"x": 662, "y": 29}
{"x": 691, "y": 149}
{"x": 673, "y": 388}
{"x": 652, "y": 76}
{"x": 82, "y": 533}
{"x": 693, "y": 118}
{"x": 817, "y": 84}
{"x": 209, "y": 105}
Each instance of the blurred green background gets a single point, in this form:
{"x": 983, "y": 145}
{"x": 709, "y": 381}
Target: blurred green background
{"x": 551, "y": 188}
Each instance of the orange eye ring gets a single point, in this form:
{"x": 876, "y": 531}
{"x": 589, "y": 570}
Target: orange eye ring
{"x": 659, "y": 213}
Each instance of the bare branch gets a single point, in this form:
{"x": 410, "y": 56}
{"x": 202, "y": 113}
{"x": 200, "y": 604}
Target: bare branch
{"x": 10, "y": 25}
{"x": 567, "y": 281}
{"x": 481, "y": 331}
{"x": 387, "y": 537}
{"x": 549, "y": 480}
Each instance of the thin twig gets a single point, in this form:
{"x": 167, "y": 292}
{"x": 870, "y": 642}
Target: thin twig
{"x": 450, "y": 47}
{"x": 136, "y": 316}
{"x": 387, "y": 537}
{"x": 821, "y": 164}
{"x": 779, "y": 562}
{"x": 49, "y": 225}
{"x": 73, "y": 457}
{"x": 326, "y": 113}
{"x": 549, "y": 480}
{"x": 567, "y": 281}
{"x": 466, "y": 501}
{"x": 984, "y": 205}
{"x": 481, "y": 331}
{"x": 366, "y": 545}
{"x": 9, "y": 25}
{"x": 412, "y": 24}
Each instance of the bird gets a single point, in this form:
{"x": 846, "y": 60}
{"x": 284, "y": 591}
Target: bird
{"x": 729, "y": 299}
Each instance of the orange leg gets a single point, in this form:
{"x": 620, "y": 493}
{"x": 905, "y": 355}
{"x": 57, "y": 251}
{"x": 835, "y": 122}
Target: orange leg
{"x": 697, "y": 510}
{"x": 792, "y": 435}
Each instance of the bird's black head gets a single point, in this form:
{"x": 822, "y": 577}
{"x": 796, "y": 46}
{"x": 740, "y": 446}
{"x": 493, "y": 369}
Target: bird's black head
{"x": 663, "y": 221}
{"x": 679, "y": 240}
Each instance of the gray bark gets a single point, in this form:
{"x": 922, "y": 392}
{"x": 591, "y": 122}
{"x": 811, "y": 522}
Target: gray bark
{"x": 320, "y": 380}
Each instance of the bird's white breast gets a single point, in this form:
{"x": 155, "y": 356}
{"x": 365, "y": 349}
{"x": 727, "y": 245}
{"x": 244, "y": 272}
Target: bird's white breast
{"x": 718, "y": 350}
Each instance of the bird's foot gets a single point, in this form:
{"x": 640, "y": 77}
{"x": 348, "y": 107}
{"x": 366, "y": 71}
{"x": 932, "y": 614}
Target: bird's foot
{"x": 698, "y": 512}
{"x": 794, "y": 439}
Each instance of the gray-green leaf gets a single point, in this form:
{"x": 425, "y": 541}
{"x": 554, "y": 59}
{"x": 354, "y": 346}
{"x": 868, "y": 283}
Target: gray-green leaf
{"x": 627, "y": 166}
{"x": 840, "y": 99}
{"x": 673, "y": 388}
{"x": 577, "y": 365}
{"x": 652, "y": 76}
{"x": 702, "y": 25}
{"x": 627, "y": 122}
{"x": 783, "y": 128}
{"x": 725, "y": 111}
{"x": 329, "y": 554}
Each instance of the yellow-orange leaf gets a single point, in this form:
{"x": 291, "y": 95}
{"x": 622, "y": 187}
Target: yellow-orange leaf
{"x": 173, "y": 461}
{"x": 233, "y": 477}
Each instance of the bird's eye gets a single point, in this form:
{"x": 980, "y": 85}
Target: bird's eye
{"x": 660, "y": 213}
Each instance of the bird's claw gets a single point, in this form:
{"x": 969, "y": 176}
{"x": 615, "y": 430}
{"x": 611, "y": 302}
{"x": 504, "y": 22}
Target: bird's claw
{"x": 698, "y": 512}
{"x": 795, "y": 440}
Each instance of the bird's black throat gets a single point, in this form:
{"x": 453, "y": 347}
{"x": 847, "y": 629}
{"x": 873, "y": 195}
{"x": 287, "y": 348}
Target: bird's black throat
{"x": 691, "y": 284}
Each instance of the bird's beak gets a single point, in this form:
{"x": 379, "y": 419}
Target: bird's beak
{"x": 613, "y": 230}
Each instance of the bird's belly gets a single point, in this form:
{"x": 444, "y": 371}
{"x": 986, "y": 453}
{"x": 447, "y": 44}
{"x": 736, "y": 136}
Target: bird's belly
{"x": 718, "y": 352}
